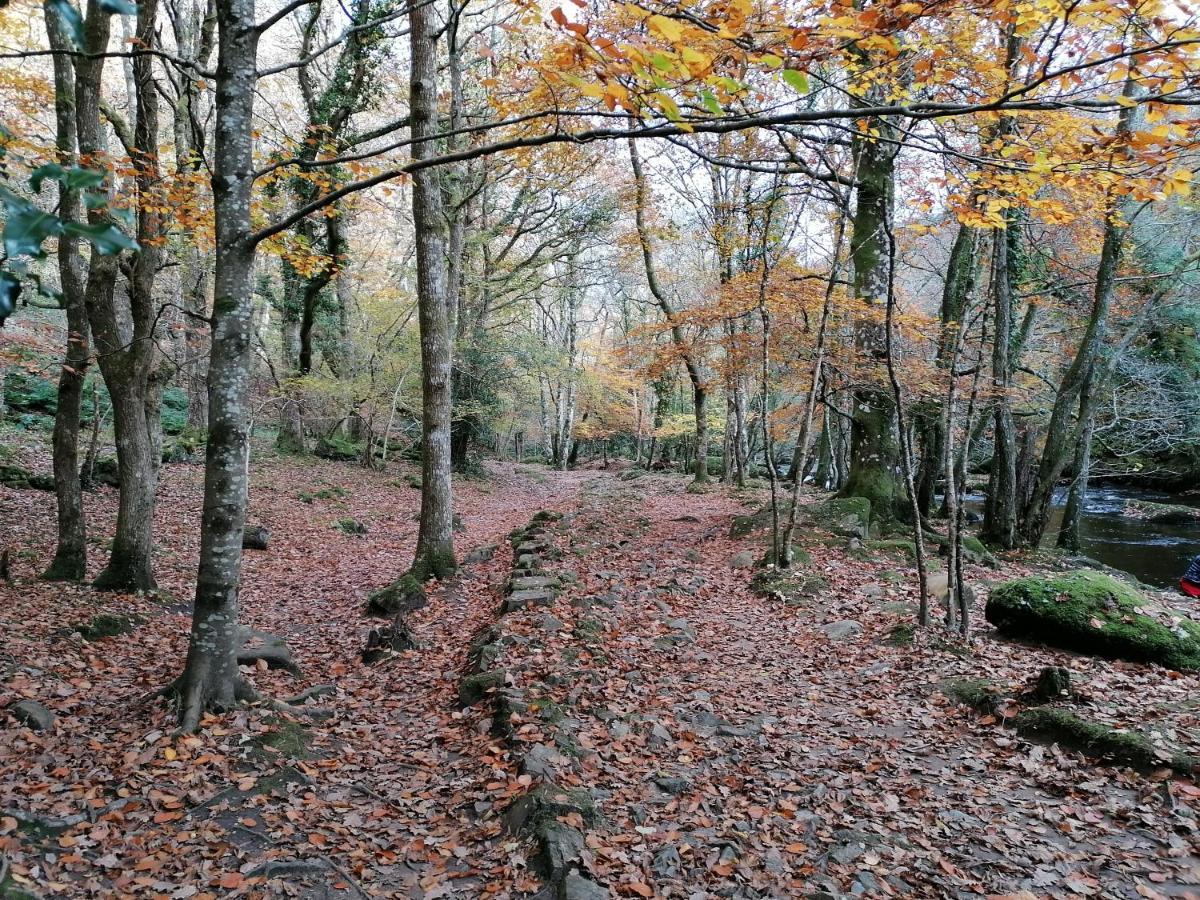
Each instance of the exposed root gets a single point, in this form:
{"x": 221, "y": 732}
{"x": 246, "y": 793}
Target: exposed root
{"x": 54, "y": 824}
{"x": 271, "y": 649}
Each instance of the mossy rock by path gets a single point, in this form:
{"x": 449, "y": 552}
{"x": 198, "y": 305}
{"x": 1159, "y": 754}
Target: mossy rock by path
{"x": 23, "y": 479}
{"x": 1130, "y": 748}
{"x": 405, "y": 594}
{"x": 1093, "y": 613}
{"x": 849, "y": 516}
{"x": 788, "y": 585}
{"x": 744, "y": 526}
{"x": 977, "y": 693}
{"x": 107, "y": 625}
{"x": 338, "y": 448}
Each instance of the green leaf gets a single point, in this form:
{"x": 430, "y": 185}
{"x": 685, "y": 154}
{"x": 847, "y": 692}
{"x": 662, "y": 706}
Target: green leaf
{"x": 26, "y": 227}
{"x": 107, "y": 239}
{"x": 796, "y": 80}
{"x": 662, "y": 62}
{"x": 710, "y": 103}
{"x": 118, "y": 7}
{"x": 10, "y": 290}
{"x": 72, "y": 21}
{"x": 75, "y": 177}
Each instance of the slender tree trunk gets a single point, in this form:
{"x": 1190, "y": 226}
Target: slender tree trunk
{"x": 690, "y": 362}
{"x": 128, "y": 365}
{"x": 874, "y": 448}
{"x": 210, "y": 679}
{"x": 70, "y": 554}
{"x": 435, "y": 539}
{"x": 1000, "y": 520}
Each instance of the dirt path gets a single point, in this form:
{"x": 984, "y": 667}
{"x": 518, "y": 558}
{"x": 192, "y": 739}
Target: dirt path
{"x": 734, "y": 748}
{"x": 766, "y": 758}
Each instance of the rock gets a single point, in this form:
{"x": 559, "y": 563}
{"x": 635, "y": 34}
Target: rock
{"x": 673, "y": 784}
{"x": 474, "y": 688}
{"x": 550, "y": 623}
{"x": 541, "y": 761}
{"x": 480, "y": 554}
{"x": 874, "y": 591}
{"x": 406, "y": 594}
{"x": 107, "y": 625}
{"x": 618, "y": 730}
{"x": 1162, "y": 513}
{"x": 255, "y": 537}
{"x": 742, "y": 560}
{"x": 682, "y": 628}
{"x": 851, "y": 845}
{"x": 839, "y": 631}
{"x": 532, "y": 583}
{"x": 846, "y": 516}
{"x": 1053, "y": 682}
{"x": 659, "y": 737}
{"x": 575, "y": 887}
{"x": 388, "y": 639}
{"x": 693, "y": 555}
{"x": 32, "y": 715}
{"x": 1094, "y": 613}
{"x": 559, "y": 845}
{"x": 522, "y": 599}
{"x": 667, "y": 863}
{"x": 270, "y": 648}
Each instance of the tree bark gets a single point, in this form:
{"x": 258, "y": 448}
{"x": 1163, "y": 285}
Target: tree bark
{"x": 435, "y": 539}
{"x": 128, "y": 364}
{"x": 690, "y": 362}
{"x": 211, "y": 680}
{"x": 1000, "y": 517}
{"x": 70, "y": 554}
{"x": 874, "y": 449}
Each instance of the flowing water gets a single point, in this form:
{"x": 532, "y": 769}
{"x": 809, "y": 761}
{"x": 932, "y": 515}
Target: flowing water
{"x": 1155, "y": 553}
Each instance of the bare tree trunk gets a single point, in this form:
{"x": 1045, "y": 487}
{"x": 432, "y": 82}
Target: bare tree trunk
{"x": 128, "y": 365}
{"x": 435, "y": 539}
{"x": 70, "y": 554}
{"x": 210, "y": 679}
{"x": 690, "y": 362}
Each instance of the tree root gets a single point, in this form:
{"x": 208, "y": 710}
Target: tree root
{"x": 53, "y": 824}
{"x": 273, "y": 651}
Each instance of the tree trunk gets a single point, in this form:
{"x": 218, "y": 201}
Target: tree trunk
{"x": 1000, "y": 517}
{"x": 128, "y": 364}
{"x": 435, "y": 540}
{"x": 874, "y": 449}
{"x": 690, "y": 362}
{"x": 70, "y": 554}
{"x": 210, "y": 679}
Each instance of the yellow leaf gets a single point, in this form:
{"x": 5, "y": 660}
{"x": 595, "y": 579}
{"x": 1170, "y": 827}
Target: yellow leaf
{"x": 667, "y": 29}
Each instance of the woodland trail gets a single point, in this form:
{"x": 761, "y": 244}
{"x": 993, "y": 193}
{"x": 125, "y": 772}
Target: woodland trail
{"x": 736, "y": 746}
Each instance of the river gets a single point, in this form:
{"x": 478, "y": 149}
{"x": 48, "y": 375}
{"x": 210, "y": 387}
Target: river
{"x": 1154, "y": 553}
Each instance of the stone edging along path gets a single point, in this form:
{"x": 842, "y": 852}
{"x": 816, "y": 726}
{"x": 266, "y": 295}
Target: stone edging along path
{"x": 499, "y": 672}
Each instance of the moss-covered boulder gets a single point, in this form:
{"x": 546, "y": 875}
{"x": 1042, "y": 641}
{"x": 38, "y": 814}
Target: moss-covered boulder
{"x": 1094, "y": 613}
{"x": 107, "y": 625}
{"x": 405, "y": 594}
{"x": 22, "y": 479}
{"x": 849, "y": 516}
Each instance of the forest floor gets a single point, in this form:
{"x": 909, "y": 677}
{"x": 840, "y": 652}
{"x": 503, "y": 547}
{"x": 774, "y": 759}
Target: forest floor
{"x": 735, "y": 745}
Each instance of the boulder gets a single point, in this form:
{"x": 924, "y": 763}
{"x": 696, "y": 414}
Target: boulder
{"x": 840, "y": 631}
{"x": 255, "y": 537}
{"x": 1162, "y": 513}
{"x": 742, "y": 560}
{"x": 474, "y": 688}
{"x": 574, "y": 886}
{"x": 1096, "y": 614}
{"x": 667, "y": 863}
{"x": 32, "y": 715}
{"x": 847, "y": 516}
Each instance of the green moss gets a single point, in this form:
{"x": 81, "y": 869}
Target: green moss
{"x": 1131, "y": 748}
{"x": 1093, "y": 613}
{"x": 22, "y": 479}
{"x": 107, "y": 625}
{"x": 474, "y": 688}
{"x": 977, "y": 693}
{"x": 404, "y": 594}
{"x": 290, "y": 739}
{"x": 338, "y": 448}
{"x": 350, "y": 526}
{"x": 787, "y": 585}
{"x": 839, "y": 510}
{"x": 901, "y": 635}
